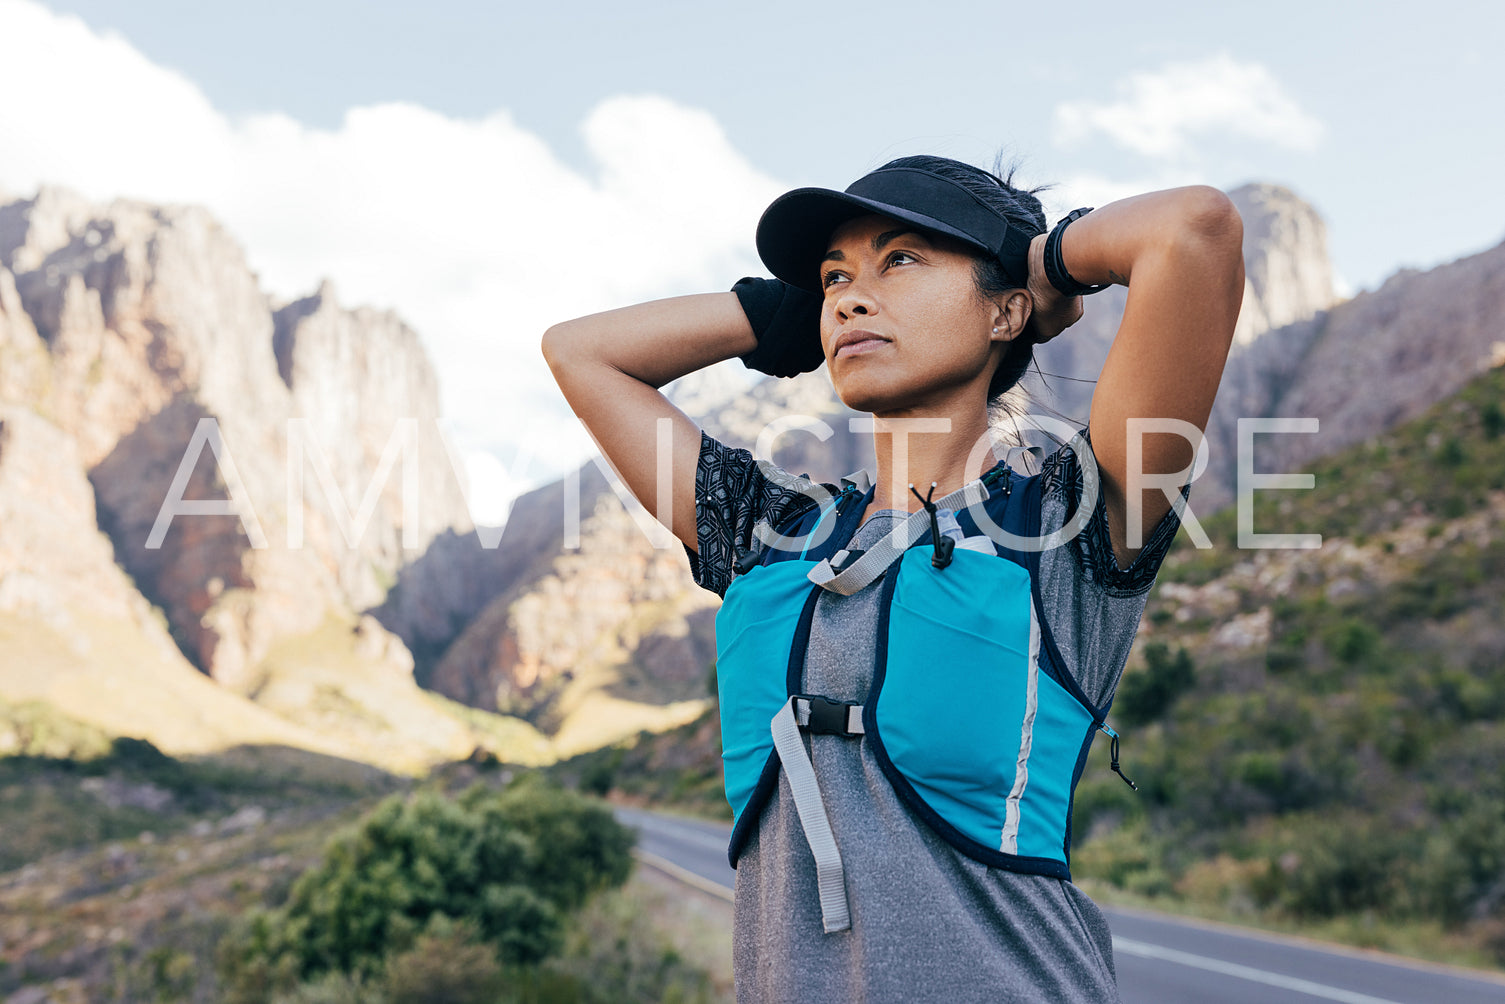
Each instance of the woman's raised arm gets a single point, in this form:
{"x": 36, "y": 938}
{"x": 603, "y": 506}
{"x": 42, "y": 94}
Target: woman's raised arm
{"x": 610, "y": 367}
{"x": 1180, "y": 252}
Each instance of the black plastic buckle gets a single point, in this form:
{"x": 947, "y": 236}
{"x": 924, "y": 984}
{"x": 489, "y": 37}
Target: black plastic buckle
{"x": 827, "y": 717}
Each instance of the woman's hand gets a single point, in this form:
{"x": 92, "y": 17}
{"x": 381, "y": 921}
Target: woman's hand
{"x": 1052, "y": 312}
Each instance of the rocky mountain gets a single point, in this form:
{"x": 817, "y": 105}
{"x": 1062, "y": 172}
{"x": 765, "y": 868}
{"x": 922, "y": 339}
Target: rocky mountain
{"x": 141, "y": 364}
{"x": 1372, "y": 362}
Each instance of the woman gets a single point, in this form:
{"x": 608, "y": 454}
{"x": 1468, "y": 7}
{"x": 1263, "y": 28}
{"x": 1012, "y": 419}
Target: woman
{"x": 917, "y": 847}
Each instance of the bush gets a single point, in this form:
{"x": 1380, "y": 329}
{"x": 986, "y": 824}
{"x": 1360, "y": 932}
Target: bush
{"x": 616, "y": 955}
{"x": 1337, "y": 868}
{"x": 1493, "y": 420}
{"x": 511, "y": 865}
{"x": 450, "y": 964}
{"x": 1148, "y": 694}
{"x": 1351, "y": 641}
{"x": 599, "y": 775}
{"x": 1461, "y": 871}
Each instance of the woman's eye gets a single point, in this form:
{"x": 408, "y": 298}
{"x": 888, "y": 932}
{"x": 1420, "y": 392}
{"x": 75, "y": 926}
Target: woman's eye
{"x": 830, "y": 279}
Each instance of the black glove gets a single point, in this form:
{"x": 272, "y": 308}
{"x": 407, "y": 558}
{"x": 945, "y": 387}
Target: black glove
{"x": 786, "y": 320}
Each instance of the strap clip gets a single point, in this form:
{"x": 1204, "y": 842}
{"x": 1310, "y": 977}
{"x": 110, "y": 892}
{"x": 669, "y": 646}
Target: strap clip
{"x": 826, "y": 717}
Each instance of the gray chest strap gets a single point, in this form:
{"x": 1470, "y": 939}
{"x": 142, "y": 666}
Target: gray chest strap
{"x": 829, "y": 876}
{"x": 872, "y": 563}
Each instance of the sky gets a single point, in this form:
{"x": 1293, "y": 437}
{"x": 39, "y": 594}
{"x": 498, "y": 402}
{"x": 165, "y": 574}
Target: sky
{"x": 489, "y": 168}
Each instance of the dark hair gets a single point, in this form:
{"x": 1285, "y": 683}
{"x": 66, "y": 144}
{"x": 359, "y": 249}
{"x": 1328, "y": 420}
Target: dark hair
{"x": 1020, "y": 207}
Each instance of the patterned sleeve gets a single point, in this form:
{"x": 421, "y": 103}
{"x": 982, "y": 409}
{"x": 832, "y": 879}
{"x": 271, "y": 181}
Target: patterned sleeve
{"x": 1093, "y": 606}
{"x": 733, "y": 492}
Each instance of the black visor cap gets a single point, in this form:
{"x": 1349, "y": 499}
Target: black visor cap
{"x": 796, "y": 229}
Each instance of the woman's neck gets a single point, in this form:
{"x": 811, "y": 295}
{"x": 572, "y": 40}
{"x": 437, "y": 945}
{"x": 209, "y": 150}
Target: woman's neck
{"x": 948, "y": 449}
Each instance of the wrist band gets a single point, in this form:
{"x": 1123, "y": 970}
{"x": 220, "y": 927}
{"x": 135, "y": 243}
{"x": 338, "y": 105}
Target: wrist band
{"x": 1055, "y": 268}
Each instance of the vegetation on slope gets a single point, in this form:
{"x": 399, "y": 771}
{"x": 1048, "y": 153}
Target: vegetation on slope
{"x": 1319, "y": 736}
{"x": 281, "y": 876}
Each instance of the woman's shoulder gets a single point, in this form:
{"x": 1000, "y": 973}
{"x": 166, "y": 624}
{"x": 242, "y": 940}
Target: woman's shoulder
{"x": 735, "y": 491}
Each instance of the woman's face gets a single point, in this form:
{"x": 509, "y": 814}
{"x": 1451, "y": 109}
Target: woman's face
{"x": 903, "y": 325}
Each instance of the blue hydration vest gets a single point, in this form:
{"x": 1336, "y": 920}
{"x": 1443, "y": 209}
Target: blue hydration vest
{"x": 972, "y": 714}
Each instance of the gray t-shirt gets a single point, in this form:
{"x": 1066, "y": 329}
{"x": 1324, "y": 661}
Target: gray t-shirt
{"x": 928, "y": 922}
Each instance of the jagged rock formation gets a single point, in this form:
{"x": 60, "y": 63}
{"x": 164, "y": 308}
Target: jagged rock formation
{"x": 1386, "y": 356}
{"x": 596, "y": 643}
{"x": 75, "y": 632}
{"x": 1287, "y": 273}
{"x": 128, "y": 333}
{"x": 149, "y": 322}
{"x": 361, "y": 380}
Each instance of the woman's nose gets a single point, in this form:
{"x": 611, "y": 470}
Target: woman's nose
{"x": 853, "y": 302}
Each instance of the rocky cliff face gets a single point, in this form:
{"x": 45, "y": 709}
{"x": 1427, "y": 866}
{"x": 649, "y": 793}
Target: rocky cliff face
{"x": 363, "y": 387}
{"x": 1384, "y": 357}
{"x": 1288, "y": 275}
{"x": 139, "y": 323}
{"x": 128, "y": 334}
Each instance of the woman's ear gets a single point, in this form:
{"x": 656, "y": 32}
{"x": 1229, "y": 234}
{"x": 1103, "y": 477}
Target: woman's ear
{"x": 1010, "y": 315}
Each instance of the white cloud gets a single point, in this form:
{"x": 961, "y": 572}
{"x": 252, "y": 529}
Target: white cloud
{"x": 1158, "y": 114}
{"x": 473, "y": 230}
{"x": 1087, "y": 189}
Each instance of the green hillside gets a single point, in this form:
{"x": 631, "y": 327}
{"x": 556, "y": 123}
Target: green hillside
{"x": 1319, "y": 736}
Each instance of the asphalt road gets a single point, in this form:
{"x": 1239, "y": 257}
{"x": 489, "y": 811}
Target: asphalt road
{"x": 1160, "y": 959}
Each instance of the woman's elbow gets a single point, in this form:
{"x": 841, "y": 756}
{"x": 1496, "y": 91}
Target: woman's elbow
{"x": 557, "y": 345}
{"x": 1213, "y": 219}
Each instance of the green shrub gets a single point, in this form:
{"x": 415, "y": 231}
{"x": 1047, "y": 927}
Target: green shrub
{"x": 1461, "y": 871}
{"x": 449, "y": 964}
{"x": 599, "y": 774}
{"x": 1351, "y": 641}
{"x": 1337, "y": 868}
{"x": 511, "y": 864}
{"x": 1451, "y": 453}
{"x": 1148, "y": 694}
{"x": 1129, "y": 858}
{"x": 1492, "y": 419}
{"x": 616, "y": 955}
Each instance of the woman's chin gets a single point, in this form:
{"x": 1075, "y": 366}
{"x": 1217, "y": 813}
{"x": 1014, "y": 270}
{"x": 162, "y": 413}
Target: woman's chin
{"x": 864, "y": 393}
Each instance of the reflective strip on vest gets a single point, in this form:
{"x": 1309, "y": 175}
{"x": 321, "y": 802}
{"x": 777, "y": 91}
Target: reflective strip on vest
{"x": 1010, "y": 842}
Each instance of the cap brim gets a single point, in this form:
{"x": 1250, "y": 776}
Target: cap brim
{"x": 795, "y": 231}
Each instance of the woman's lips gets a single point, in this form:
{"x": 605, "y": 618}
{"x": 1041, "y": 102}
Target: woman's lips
{"x": 858, "y": 346}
